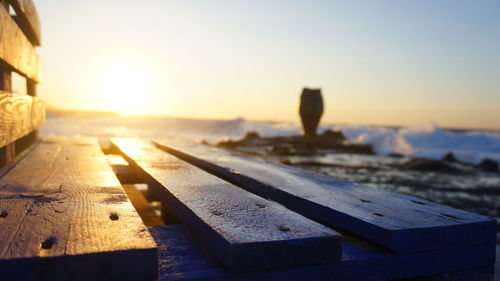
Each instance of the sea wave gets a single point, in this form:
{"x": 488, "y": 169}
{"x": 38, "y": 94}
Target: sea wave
{"x": 431, "y": 141}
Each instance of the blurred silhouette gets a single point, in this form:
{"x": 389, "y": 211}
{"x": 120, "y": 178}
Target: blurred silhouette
{"x": 311, "y": 109}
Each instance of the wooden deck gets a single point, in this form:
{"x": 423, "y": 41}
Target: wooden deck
{"x": 180, "y": 211}
{"x": 244, "y": 231}
{"x": 401, "y": 223}
{"x": 362, "y": 256}
{"x": 65, "y": 216}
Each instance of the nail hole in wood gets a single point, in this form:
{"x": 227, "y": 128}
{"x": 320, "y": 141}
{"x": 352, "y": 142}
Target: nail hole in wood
{"x": 283, "y": 228}
{"x": 4, "y": 214}
{"x": 216, "y": 213}
{"x": 66, "y": 158}
{"x": 450, "y": 216}
{"x": 113, "y": 216}
{"x": 48, "y": 243}
{"x": 365, "y": 201}
{"x": 378, "y": 214}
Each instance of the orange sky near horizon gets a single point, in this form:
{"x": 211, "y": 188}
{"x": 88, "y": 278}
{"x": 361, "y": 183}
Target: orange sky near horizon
{"x": 385, "y": 63}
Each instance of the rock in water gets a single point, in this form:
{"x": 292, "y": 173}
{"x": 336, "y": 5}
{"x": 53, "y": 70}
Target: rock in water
{"x": 489, "y": 165}
{"x": 311, "y": 109}
{"x": 430, "y": 165}
{"x": 450, "y": 157}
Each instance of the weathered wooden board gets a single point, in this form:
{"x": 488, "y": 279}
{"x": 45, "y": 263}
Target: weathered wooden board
{"x": 181, "y": 259}
{"x": 27, "y": 19}
{"x": 16, "y": 51}
{"x": 399, "y": 222}
{"x": 244, "y": 231}
{"x": 64, "y": 216}
{"x": 19, "y": 116}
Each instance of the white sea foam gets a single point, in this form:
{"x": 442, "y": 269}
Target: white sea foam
{"x": 429, "y": 141}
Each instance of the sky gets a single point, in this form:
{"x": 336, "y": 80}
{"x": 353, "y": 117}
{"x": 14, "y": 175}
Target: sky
{"x": 381, "y": 62}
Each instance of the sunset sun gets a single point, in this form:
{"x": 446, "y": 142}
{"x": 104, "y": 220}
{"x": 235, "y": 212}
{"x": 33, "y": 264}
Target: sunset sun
{"x": 125, "y": 87}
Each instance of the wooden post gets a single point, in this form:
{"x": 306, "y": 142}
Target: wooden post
{"x": 5, "y": 80}
{"x": 25, "y": 142}
{"x": 8, "y": 152}
{"x": 31, "y": 87}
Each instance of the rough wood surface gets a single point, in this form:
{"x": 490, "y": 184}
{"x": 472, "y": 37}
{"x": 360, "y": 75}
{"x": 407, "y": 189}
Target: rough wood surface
{"x": 19, "y": 116}
{"x": 181, "y": 259}
{"x": 399, "y": 222}
{"x": 27, "y": 18}
{"x": 16, "y": 51}
{"x": 244, "y": 231}
{"x": 64, "y": 216}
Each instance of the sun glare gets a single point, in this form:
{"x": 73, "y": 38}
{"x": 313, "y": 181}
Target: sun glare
{"x": 125, "y": 87}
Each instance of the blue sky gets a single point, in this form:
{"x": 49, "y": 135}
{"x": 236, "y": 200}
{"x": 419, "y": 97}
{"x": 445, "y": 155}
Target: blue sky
{"x": 377, "y": 62}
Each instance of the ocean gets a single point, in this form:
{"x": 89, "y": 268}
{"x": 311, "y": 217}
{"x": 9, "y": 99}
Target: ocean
{"x": 470, "y": 189}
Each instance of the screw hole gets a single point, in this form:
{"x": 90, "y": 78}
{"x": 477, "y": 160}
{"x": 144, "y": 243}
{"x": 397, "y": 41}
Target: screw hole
{"x": 4, "y": 214}
{"x": 48, "y": 243}
{"x": 113, "y": 216}
{"x": 216, "y": 213}
{"x": 378, "y": 214}
{"x": 365, "y": 201}
{"x": 283, "y": 228}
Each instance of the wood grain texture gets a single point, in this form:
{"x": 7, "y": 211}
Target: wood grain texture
{"x": 27, "y": 18}
{"x": 399, "y": 222}
{"x": 244, "y": 231}
{"x": 66, "y": 217}
{"x": 16, "y": 51}
{"x": 19, "y": 116}
{"x": 181, "y": 259}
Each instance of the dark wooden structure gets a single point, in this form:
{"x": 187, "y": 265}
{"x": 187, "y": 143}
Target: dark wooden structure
{"x": 20, "y": 115}
{"x": 63, "y": 213}
{"x": 156, "y": 210}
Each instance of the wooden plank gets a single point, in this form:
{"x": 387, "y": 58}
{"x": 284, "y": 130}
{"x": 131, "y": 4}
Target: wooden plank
{"x": 399, "y": 222}
{"x": 27, "y": 19}
{"x": 244, "y": 231}
{"x": 7, "y": 150}
{"x": 16, "y": 51}
{"x": 66, "y": 217}
{"x": 181, "y": 259}
{"x": 19, "y": 116}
